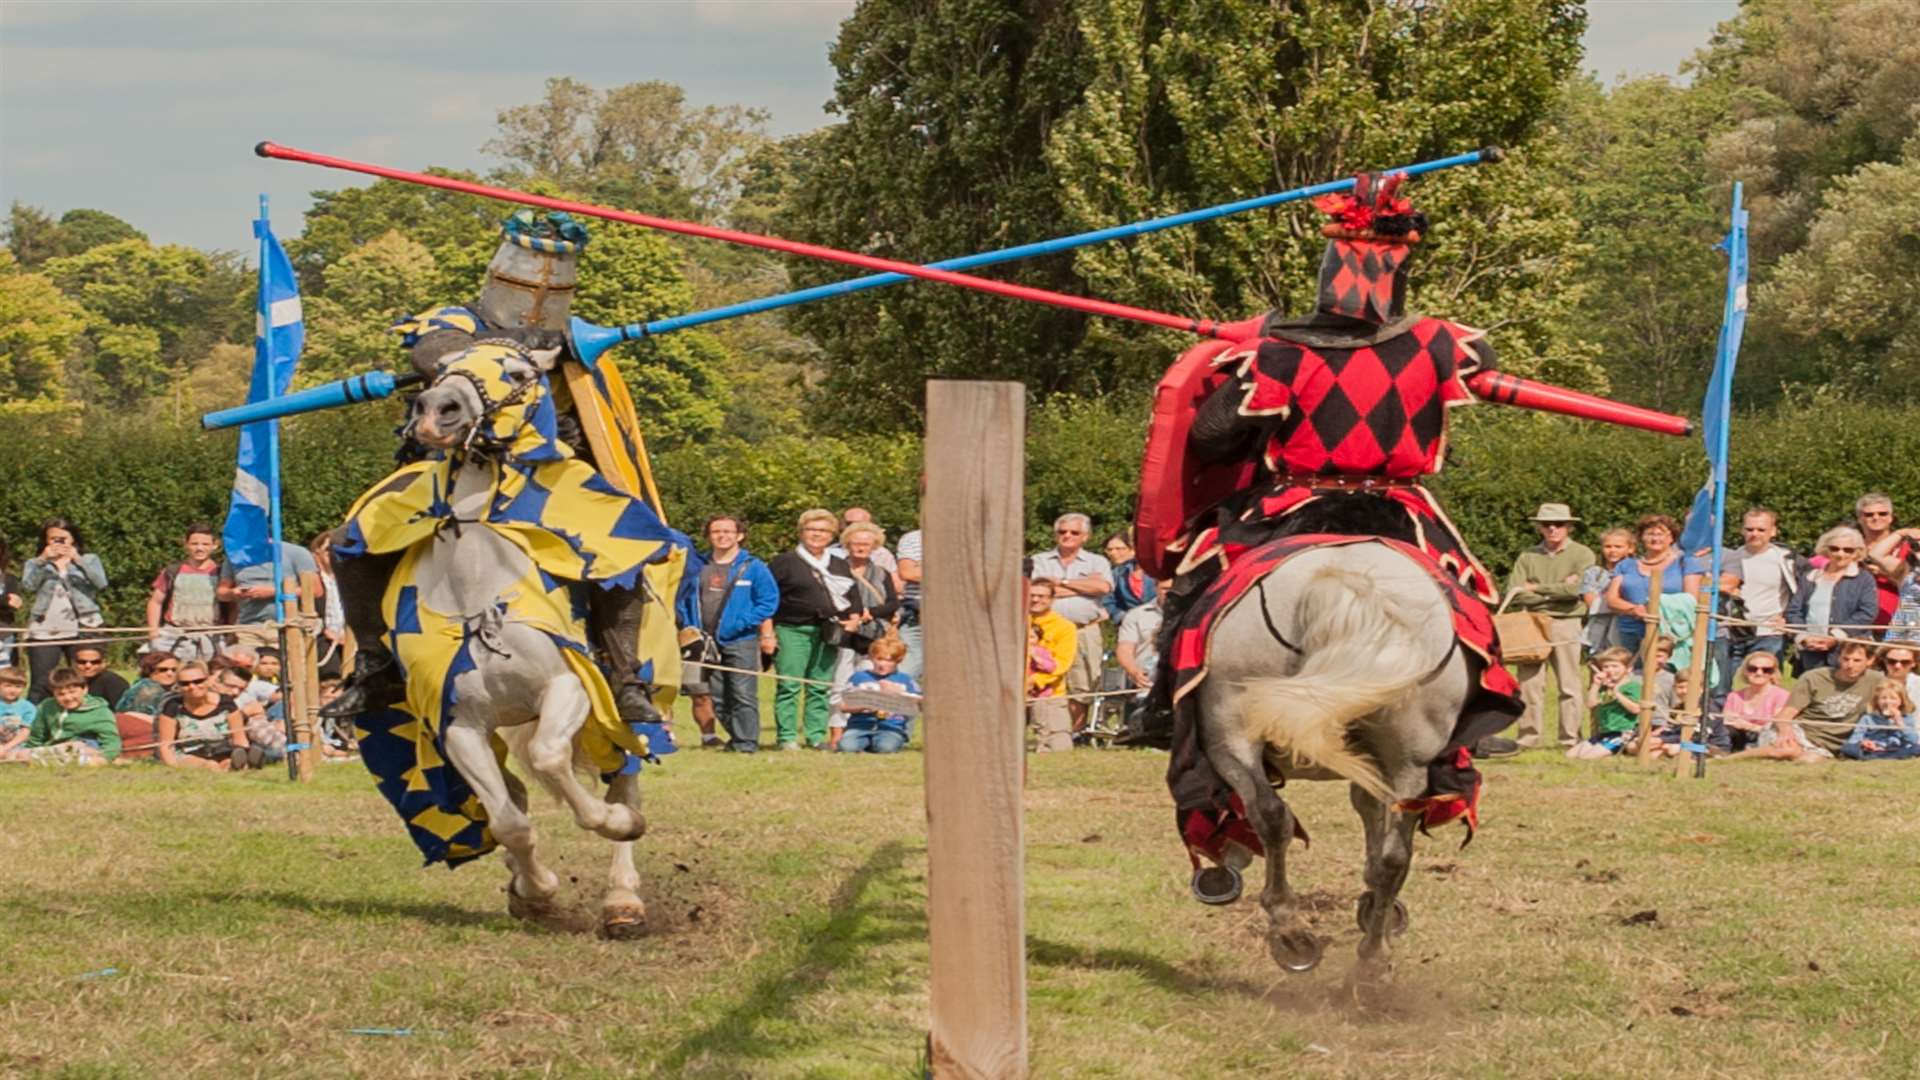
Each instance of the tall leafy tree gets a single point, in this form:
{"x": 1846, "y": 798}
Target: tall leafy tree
{"x": 640, "y": 146}
{"x": 150, "y": 311}
{"x": 988, "y": 123}
{"x": 39, "y": 327}
{"x": 1817, "y": 89}
{"x": 1190, "y": 105}
{"x": 1650, "y": 208}
{"x": 946, "y": 110}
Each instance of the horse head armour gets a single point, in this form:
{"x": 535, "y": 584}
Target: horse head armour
{"x": 492, "y": 395}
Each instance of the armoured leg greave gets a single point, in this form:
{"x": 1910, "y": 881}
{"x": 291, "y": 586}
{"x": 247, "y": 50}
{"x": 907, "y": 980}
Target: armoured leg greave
{"x": 617, "y": 615}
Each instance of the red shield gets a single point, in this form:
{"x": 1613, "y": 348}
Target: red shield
{"x": 1174, "y": 488}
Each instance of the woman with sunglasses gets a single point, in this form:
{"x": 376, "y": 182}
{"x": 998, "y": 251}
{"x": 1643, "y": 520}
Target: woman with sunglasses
{"x": 1834, "y": 602}
{"x": 159, "y": 672}
{"x": 1750, "y": 709}
{"x": 202, "y": 728}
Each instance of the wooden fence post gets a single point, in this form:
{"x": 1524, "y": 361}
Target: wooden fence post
{"x": 1649, "y": 671}
{"x": 975, "y": 626}
{"x": 298, "y": 686}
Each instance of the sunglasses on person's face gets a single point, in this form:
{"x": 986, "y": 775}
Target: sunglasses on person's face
{"x": 1069, "y": 532}
{"x": 1762, "y": 670}
{"x": 165, "y": 670}
{"x": 1891, "y": 662}
{"x": 1838, "y": 550}
{"x": 193, "y": 682}
{"x": 82, "y": 662}
{"x": 1876, "y": 513}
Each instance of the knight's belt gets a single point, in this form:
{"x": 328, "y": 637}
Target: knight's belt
{"x": 1335, "y": 482}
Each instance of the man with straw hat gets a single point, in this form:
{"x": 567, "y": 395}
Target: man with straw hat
{"x": 1546, "y": 581}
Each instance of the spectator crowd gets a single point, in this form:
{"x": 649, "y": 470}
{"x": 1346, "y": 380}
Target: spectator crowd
{"x": 836, "y": 619}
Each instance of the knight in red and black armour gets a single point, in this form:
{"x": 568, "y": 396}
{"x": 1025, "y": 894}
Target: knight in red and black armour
{"x": 1343, "y": 411}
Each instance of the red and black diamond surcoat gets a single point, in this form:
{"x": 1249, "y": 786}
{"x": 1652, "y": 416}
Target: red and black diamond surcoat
{"x": 1356, "y": 415}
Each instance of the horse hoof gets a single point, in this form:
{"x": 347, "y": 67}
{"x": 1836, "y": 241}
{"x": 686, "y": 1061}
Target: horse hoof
{"x": 1296, "y": 951}
{"x": 1396, "y": 926}
{"x": 521, "y": 907}
{"x": 622, "y": 826}
{"x": 1216, "y": 885}
{"x": 624, "y": 922}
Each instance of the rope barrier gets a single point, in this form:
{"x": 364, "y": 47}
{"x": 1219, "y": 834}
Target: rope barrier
{"x": 830, "y": 684}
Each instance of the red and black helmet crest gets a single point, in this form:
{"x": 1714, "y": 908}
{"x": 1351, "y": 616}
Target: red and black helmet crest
{"x": 1363, "y": 273}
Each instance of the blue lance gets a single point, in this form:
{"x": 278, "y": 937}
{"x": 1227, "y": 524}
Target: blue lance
{"x": 589, "y": 341}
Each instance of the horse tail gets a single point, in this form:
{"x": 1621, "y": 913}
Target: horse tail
{"x": 1362, "y": 649}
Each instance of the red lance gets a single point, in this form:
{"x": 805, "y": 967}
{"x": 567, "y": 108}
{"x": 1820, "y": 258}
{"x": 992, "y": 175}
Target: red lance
{"x": 1489, "y": 386}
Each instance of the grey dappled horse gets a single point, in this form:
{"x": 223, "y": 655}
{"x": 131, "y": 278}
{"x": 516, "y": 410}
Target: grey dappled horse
{"x": 522, "y": 689}
{"x": 1371, "y": 696}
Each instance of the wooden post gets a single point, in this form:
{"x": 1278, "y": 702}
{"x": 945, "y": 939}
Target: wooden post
{"x": 1693, "y": 715}
{"x": 975, "y": 620}
{"x": 1649, "y": 674}
{"x": 298, "y": 686}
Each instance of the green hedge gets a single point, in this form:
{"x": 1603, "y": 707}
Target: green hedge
{"x": 131, "y": 486}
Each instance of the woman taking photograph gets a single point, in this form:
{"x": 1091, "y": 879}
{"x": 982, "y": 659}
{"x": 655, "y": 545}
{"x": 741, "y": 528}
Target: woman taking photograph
{"x": 1834, "y": 602}
{"x": 65, "y": 581}
{"x": 819, "y": 607}
{"x": 1632, "y": 584}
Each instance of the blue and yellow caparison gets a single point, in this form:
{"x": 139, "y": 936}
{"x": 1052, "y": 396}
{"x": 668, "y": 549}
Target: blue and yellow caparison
{"x": 578, "y": 531}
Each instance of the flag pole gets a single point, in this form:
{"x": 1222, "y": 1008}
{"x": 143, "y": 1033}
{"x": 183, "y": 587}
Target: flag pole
{"x": 1719, "y": 444}
{"x": 263, "y": 360}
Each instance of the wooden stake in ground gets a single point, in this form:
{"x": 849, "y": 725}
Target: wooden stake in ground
{"x": 973, "y": 611}
{"x": 1693, "y": 718}
{"x": 1649, "y": 671}
{"x": 296, "y": 665}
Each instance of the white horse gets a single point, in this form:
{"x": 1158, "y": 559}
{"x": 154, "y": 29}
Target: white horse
{"x": 521, "y": 687}
{"x": 1342, "y": 666}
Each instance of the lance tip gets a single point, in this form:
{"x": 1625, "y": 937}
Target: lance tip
{"x": 263, "y": 148}
{"x": 1492, "y": 155}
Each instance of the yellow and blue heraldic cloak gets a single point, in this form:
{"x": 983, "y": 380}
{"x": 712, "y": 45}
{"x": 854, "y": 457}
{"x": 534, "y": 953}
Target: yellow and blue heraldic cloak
{"x": 578, "y": 532}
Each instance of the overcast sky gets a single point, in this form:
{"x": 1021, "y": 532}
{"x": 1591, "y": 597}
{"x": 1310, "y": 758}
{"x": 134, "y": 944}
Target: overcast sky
{"x": 150, "y": 110}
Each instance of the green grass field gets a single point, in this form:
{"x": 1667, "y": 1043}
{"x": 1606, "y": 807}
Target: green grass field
{"x": 252, "y": 924}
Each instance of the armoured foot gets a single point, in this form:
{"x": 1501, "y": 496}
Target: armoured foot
{"x": 1396, "y": 922}
{"x": 1295, "y": 948}
{"x": 635, "y": 706}
{"x": 623, "y": 920}
{"x": 374, "y": 684}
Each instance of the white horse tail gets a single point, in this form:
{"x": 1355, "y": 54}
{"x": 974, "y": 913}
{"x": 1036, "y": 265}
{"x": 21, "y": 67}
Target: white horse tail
{"x": 1362, "y": 652}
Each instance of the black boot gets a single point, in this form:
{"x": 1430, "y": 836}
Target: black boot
{"x": 374, "y": 684}
{"x": 616, "y": 615}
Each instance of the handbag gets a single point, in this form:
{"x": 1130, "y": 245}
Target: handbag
{"x": 1526, "y": 637}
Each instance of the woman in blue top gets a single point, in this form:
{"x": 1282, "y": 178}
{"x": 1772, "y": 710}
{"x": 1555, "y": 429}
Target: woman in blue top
{"x": 1632, "y": 584}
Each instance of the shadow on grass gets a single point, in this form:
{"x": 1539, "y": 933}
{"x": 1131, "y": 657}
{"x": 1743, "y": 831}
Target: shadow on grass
{"x": 359, "y": 908}
{"x": 1149, "y": 967}
{"x": 855, "y": 923}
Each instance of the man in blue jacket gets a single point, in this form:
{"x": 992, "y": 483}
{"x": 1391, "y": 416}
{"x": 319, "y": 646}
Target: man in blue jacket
{"x": 729, "y": 601}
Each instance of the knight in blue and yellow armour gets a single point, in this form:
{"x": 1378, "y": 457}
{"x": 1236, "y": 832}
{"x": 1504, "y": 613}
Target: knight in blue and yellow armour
{"x": 527, "y": 293}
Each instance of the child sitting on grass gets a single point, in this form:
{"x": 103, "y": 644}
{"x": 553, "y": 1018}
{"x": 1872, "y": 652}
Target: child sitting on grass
{"x": 873, "y": 732}
{"x": 1613, "y": 703}
{"x": 1886, "y": 732}
{"x": 72, "y": 726}
{"x": 16, "y": 712}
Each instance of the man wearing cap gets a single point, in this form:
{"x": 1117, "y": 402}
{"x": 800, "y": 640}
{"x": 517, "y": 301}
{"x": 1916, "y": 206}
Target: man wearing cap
{"x": 1546, "y": 581}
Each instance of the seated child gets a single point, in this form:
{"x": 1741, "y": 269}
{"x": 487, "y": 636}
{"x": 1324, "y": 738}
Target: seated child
{"x": 1886, "y": 731}
{"x": 1614, "y": 704}
{"x": 72, "y": 727}
{"x": 1669, "y": 696}
{"x": 1750, "y": 709}
{"x": 16, "y": 712}
{"x": 872, "y": 732}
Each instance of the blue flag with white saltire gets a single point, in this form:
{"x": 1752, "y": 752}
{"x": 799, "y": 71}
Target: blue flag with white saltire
{"x": 1704, "y": 526}
{"x": 278, "y": 336}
